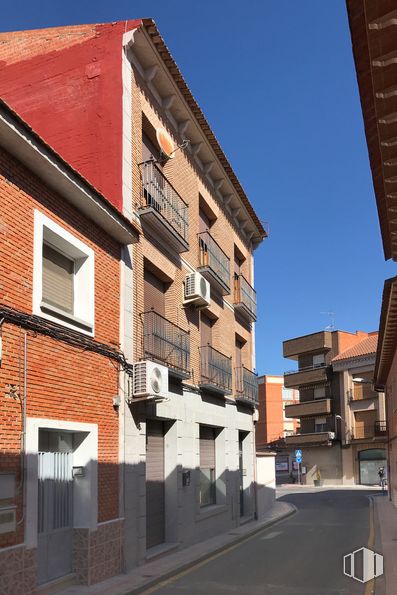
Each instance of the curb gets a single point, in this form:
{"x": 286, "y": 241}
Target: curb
{"x": 152, "y": 582}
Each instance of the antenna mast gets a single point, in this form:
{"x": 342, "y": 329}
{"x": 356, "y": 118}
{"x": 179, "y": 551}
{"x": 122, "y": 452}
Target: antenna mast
{"x": 331, "y": 325}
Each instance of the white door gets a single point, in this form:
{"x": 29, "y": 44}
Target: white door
{"x": 55, "y": 515}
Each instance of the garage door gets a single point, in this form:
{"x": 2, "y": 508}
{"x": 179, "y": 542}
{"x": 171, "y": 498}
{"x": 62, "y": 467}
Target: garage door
{"x": 155, "y": 496}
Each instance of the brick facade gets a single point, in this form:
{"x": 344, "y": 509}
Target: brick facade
{"x": 61, "y": 379}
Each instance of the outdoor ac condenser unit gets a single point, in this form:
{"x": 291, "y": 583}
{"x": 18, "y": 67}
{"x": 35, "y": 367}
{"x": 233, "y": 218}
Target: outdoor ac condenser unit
{"x": 149, "y": 380}
{"x": 197, "y": 290}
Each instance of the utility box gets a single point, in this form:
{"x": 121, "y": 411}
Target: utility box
{"x": 7, "y": 486}
{"x": 7, "y": 519}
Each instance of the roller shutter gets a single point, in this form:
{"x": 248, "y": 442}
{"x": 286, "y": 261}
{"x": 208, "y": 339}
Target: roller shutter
{"x": 155, "y": 494}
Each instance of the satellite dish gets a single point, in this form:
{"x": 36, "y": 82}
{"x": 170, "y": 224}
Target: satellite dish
{"x": 165, "y": 142}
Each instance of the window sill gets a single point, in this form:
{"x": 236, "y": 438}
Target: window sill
{"x": 61, "y": 317}
{"x": 209, "y": 511}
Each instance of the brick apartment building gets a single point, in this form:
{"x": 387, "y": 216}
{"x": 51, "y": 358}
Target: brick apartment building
{"x": 373, "y": 34}
{"x": 342, "y": 419}
{"x": 273, "y": 398}
{"x": 104, "y": 96}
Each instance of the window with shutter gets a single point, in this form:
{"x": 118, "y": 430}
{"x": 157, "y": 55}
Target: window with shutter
{"x": 58, "y": 279}
{"x": 207, "y": 466}
{"x": 63, "y": 276}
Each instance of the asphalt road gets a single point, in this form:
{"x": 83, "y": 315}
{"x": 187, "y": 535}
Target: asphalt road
{"x": 302, "y": 555}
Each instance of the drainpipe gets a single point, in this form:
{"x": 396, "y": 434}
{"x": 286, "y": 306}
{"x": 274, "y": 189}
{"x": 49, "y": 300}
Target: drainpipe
{"x": 22, "y": 483}
{"x": 255, "y": 483}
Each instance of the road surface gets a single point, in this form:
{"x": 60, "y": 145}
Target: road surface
{"x": 302, "y": 555}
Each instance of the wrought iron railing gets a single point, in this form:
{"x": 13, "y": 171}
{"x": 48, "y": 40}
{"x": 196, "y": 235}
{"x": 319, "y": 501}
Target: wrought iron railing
{"x": 216, "y": 368}
{"x": 380, "y": 428}
{"x": 159, "y": 194}
{"x": 244, "y": 294}
{"x": 213, "y": 257}
{"x": 305, "y": 369}
{"x": 246, "y": 384}
{"x": 166, "y": 343}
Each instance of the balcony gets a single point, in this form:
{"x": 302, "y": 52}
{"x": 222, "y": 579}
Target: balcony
{"x": 308, "y": 375}
{"x": 315, "y": 407}
{"x": 244, "y": 298}
{"x": 246, "y": 385}
{"x": 316, "y": 342}
{"x": 312, "y": 439}
{"x": 215, "y": 371}
{"x": 214, "y": 264}
{"x": 370, "y": 432}
{"x": 359, "y": 392}
{"x": 163, "y": 212}
{"x": 164, "y": 342}
{"x": 381, "y": 429}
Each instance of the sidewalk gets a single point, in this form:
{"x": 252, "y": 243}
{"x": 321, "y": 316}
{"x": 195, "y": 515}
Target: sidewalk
{"x": 386, "y": 543}
{"x": 150, "y": 574}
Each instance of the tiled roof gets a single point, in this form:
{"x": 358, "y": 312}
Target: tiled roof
{"x": 365, "y": 347}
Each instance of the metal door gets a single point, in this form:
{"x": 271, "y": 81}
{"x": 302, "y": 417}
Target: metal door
{"x": 155, "y": 493}
{"x": 241, "y": 472}
{"x": 55, "y": 515}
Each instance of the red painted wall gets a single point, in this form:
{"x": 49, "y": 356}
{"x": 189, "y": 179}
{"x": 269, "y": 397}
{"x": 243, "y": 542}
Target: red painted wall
{"x": 68, "y": 88}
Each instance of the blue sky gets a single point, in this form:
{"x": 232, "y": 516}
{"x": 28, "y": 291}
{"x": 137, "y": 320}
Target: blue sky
{"x": 277, "y": 83}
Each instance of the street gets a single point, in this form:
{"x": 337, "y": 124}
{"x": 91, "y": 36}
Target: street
{"x": 302, "y": 555}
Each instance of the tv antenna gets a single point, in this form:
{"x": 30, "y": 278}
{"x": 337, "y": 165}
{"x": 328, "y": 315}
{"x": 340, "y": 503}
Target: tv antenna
{"x": 331, "y": 325}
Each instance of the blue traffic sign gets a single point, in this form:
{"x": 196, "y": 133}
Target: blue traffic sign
{"x": 298, "y": 459}
{"x": 298, "y": 453}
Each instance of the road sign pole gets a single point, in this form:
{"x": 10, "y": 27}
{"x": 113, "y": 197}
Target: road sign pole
{"x": 299, "y": 473}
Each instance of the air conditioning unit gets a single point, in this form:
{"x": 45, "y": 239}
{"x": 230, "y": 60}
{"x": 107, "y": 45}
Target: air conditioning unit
{"x": 197, "y": 290}
{"x": 149, "y": 380}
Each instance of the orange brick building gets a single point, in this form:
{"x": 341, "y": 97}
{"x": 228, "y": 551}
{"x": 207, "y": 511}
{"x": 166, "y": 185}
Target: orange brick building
{"x": 179, "y": 303}
{"x": 273, "y": 397}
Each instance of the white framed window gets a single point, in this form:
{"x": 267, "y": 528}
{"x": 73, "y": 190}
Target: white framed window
{"x": 319, "y": 392}
{"x": 63, "y": 276}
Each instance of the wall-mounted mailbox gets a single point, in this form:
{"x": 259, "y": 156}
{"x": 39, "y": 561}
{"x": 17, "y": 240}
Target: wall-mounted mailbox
{"x": 186, "y": 478}
{"x": 7, "y": 486}
{"x": 8, "y": 522}
{"x": 78, "y": 471}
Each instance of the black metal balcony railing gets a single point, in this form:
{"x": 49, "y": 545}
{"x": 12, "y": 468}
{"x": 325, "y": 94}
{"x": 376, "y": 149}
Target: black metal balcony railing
{"x": 305, "y": 369}
{"x": 159, "y": 194}
{"x": 213, "y": 258}
{"x": 216, "y": 369}
{"x": 246, "y": 384}
{"x": 166, "y": 343}
{"x": 380, "y": 428}
{"x": 245, "y": 295}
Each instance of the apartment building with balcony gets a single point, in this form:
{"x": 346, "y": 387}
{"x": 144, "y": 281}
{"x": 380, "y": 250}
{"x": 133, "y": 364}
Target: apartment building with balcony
{"x": 362, "y": 428}
{"x": 373, "y": 35}
{"x": 321, "y": 406}
{"x": 187, "y": 414}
